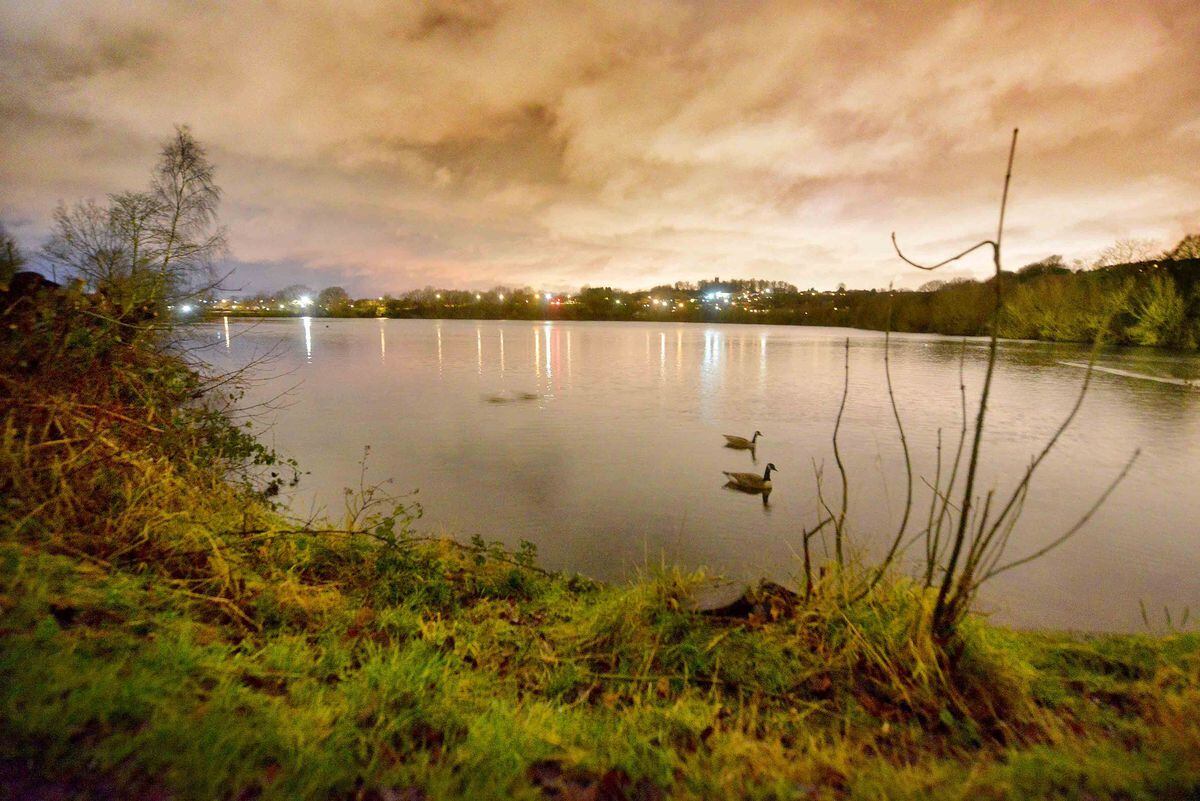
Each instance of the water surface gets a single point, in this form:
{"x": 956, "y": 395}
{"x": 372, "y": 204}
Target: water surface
{"x": 601, "y": 443}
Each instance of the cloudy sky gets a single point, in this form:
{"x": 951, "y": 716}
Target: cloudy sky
{"x": 387, "y": 146}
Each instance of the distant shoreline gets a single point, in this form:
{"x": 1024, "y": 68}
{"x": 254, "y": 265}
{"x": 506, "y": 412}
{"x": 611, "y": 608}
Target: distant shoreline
{"x": 1154, "y": 303}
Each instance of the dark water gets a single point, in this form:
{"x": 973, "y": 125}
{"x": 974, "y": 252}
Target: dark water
{"x": 616, "y": 462}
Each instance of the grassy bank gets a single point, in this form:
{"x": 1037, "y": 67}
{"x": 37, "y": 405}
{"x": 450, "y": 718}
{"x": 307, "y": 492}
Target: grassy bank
{"x": 166, "y": 632}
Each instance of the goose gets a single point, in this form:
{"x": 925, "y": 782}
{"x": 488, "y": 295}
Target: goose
{"x": 752, "y": 482}
{"x": 741, "y": 443}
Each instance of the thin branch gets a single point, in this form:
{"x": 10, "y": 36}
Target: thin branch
{"x": 940, "y": 607}
{"x": 839, "y": 525}
{"x": 930, "y": 543}
{"x": 944, "y": 262}
{"x": 1078, "y": 525}
{"x": 1049, "y": 446}
{"x": 908, "y": 471}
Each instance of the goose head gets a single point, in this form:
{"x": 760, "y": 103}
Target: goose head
{"x": 767, "y": 473}
{"x": 754, "y": 439}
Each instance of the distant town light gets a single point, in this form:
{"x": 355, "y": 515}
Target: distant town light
{"x": 478, "y": 296}
{"x": 439, "y": 296}
{"x": 548, "y": 296}
{"x": 502, "y": 298}
{"x": 304, "y": 301}
{"x": 186, "y": 308}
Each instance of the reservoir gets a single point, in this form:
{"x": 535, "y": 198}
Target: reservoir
{"x": 601, "y": 443}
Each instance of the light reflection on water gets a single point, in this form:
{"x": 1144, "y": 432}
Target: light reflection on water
{"x": 617, "y": 461}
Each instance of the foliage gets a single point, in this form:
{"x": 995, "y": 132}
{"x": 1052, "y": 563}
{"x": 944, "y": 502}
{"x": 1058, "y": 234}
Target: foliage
{"x": 1161, "y": 317}
{"x": 1065, "y": 309}
{"x": 334, "y": 301}
{"x": 1188, "y": 248}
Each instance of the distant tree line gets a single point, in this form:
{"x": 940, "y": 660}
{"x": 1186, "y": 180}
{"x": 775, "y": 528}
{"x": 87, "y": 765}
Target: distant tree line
{"x": 1149, "y": 302}
{"x": 1132, "y": 293}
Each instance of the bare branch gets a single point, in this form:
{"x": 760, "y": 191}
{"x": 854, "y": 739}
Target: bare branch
{"x": 944, "y": 262}
{"x": 840, "y": 523}
{"x": 1116, "y": 482}
{"x": 943, "y": 616}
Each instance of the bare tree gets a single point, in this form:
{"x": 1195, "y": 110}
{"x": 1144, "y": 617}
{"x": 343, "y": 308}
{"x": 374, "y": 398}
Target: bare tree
{"x": 184, "y": 197}
{"x": 1128, "y": 251}
{"x": 147, "y": 249}
{"x": 87, "y": 245}
{"x": 132, "y": 216}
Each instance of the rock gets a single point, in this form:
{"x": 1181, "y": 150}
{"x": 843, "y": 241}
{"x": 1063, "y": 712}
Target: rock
{"x": 717, "y": 596}
{"x": 765, "y": 602}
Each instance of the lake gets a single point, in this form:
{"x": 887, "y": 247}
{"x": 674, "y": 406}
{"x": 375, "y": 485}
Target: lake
{"x": 601, "y": 443}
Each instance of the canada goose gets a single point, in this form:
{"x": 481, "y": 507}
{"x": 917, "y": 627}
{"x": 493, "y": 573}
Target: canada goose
{"x": 752, "y": 482}
{"x": 741, "y": 443}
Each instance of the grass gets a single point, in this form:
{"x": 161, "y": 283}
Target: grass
{"x": 167, "y": 633}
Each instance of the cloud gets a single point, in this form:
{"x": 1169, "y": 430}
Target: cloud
{"x": 474, "y": 142}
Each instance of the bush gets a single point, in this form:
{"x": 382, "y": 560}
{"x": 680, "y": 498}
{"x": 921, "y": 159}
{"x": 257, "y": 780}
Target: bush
{"x": 1160, "y": 315}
